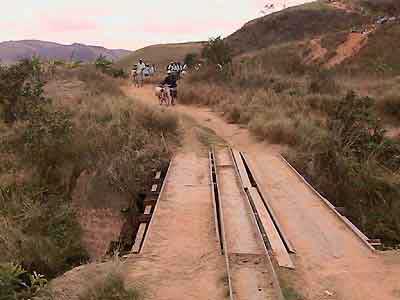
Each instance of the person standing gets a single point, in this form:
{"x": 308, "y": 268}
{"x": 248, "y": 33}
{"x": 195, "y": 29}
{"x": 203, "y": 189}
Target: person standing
{"x": 139, "y": 72}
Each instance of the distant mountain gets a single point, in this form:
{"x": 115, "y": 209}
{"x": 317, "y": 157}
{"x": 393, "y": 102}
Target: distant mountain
{"x": 12, "y": 51}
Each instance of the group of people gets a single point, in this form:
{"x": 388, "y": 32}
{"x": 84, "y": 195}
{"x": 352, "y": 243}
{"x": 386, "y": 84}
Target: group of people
{"x": 167, "y": 90}
{"x": 140, "y": 71}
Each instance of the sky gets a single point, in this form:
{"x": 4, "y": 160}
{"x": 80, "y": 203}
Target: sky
{"x": 128, "y": 24}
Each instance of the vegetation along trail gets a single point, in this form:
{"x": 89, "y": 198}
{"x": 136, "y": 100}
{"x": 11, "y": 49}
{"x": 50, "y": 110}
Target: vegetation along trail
{"x": 331, "y": 262}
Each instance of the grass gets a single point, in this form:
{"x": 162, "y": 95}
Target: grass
{"x": 291, "y": 294}
{"x": 380, "y": 56}
{"x": 110, "y": 288}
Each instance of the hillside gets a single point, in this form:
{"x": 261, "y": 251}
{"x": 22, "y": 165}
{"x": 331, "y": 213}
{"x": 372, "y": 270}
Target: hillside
{"x": 294, "y": 24}
{"x": 341, "y": 34}
{"x": 12, "y": 51}
{"x": 161, "y": 54}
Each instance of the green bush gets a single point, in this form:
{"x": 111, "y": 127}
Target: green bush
{"x": 19, "y": 87}
{"x": 16, "y": 283}
{"x": 191, "y": 59}
{"x": 217, "y": 51}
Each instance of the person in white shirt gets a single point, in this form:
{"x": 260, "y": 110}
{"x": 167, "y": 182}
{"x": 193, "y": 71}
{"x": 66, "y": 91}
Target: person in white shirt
{"x": 139, "y": 72}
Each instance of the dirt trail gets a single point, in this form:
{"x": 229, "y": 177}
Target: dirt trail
{"x": 331, "y": 263}
{"x": 354, "y": 43}
{"x": 341, "y": 6}
{"x": 317, "y": 51}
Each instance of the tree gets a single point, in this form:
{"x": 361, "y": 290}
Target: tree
{"x": 217, "y": 51}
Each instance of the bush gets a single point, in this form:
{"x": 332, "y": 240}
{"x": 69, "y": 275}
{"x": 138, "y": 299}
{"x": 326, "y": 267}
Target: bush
{"x": 322, "y": 82}
{"x": 191, "y": 59}
{"x": 19, "y": 87}
{"x": 390, "y": 105}
{"x": 16, "y": 283}
{"x": 216, "y": 51}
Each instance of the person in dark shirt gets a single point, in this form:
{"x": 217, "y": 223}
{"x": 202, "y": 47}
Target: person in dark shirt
{"x": 171, "y": 82}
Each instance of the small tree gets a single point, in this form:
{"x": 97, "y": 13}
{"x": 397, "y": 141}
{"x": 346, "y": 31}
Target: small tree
{"x": 103, "y": 63}
{"x": 217, "y": 51}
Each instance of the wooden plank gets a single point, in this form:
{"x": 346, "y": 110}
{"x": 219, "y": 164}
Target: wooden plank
{"x": 151, "y": 202}
{"x": 157, "y": 201}
{"x": 158, "y": 175}
{"x": 241, "y": 168}
{"x": 154, "y": 188}
{"x": 277, "y": 246}
{"x": 147, "y": 210}
{"x": 144, "y": 218}
{"x": 139, "y": 238}
{"x": 267, "y": 203}
{"x": 275, "y": 280}
{"x": 350, "y": 225}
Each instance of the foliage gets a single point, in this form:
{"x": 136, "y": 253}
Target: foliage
{"x": 390, "y": 105}
{"x": 217, "y": 51}
{"x": 103, "y": 63}
{"x": 19, "y": 88}
{"x": 322, "y": 82}
{"x": 17, "y": 283}
{"x": 106, "y": 66}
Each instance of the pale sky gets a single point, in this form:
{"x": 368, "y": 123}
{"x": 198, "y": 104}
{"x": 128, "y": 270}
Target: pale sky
{"x": 127, "y": 24}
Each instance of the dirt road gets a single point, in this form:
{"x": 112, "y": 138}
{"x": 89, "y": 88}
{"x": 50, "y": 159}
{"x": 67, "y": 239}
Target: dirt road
{"x": 331, "y": 262}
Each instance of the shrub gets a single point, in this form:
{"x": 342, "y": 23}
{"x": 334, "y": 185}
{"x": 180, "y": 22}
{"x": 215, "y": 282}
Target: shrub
{"x": 216, "y": 51}
{"x": 390, "y": 105}
{"x": 322, "y": 82}
{"x": 16, "y": 283}
{"x": 19, "y": 86}
{"x": 191, "y": 59}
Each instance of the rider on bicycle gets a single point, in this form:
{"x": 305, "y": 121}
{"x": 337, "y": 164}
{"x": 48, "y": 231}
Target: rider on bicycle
{"x": 171, "y": 82}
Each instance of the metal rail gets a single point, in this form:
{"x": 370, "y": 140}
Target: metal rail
{"x": 219, "y": 217}
{"x": 270, "y": 264}
{"x": 267, "y": 204}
